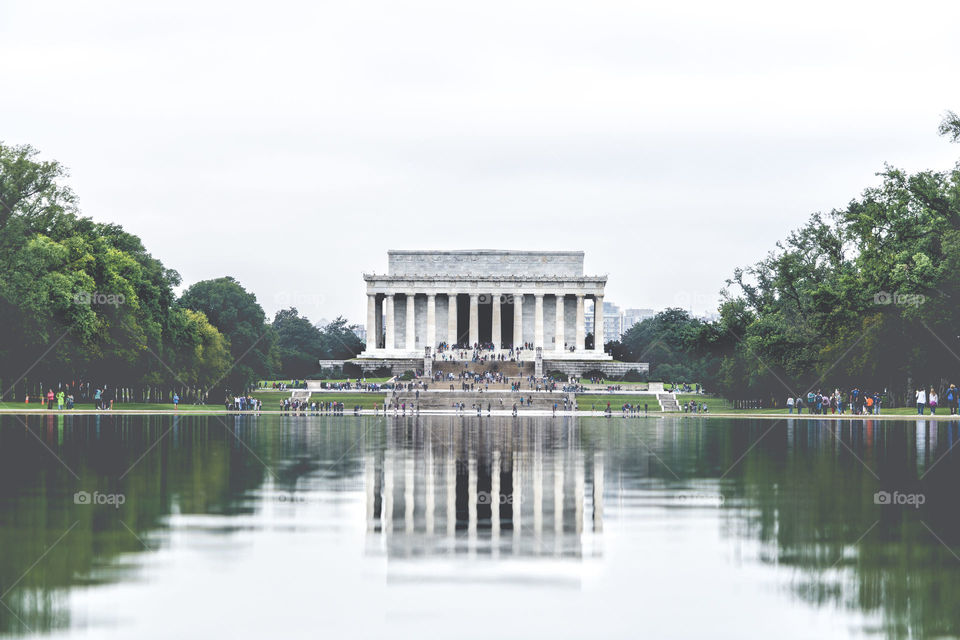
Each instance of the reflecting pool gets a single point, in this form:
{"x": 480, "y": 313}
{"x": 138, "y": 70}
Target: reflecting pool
{"x": 284, "y": 526}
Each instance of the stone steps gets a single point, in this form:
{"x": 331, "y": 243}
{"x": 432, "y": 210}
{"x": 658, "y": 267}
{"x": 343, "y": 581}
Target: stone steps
{"x": 668, "y": 402}
{"x": 445, "y": 400}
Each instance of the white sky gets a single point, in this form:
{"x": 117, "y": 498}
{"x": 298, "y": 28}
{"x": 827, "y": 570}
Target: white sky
{"x": 291, "y": 144}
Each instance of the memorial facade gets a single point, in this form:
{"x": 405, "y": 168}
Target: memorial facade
{"x": 499, "y": 300}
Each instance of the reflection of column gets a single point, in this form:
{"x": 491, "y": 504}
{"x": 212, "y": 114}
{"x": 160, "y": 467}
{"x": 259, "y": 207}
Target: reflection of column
{"x": 408, "y": 482}
{"x": 431, "y": 340}
{"x": 452, "y": 319}
{"x": 517, "y": 492}
{"x": 411, "y": 342}
{"x": 387, "y": 500}
{"x": 451, "y": 495}
{"x": 558, "y": 477}
{"x": 581, "y": 324}
{"x": 538, "y": 321}
{"x": 598, "y": 492}
{"x": 429, "y": 487}
{"x": 472, "y": 500}
{"x": 369, "y": 472}
{"x": 388, "y": 342}
{"x": 598, "y": 324}
{"x": 495, "y": 502}
{"x": 560, "y": 327}
{"x": 495, "y": 321}
{"x": 578, "y": 482}
{"x": 538, "y": 492}
{"x": 517, "y": 320}
{"x": 371, "y": 322}
{"x": 474, "y": 319}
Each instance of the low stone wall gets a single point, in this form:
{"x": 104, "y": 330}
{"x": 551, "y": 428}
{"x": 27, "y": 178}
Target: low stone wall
{"x": 397, "y": 365}
{"x": 610, "y": 369}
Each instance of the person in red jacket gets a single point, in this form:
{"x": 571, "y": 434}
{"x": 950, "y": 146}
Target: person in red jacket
{"x": 50, "y": 398}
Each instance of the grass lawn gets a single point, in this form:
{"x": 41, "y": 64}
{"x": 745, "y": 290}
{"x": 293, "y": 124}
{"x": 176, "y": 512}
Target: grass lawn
{"x": 119, "y": 406}
{"x": 599, "y": 400}
{"x": 271, "y": 400}
{"x": 268, "y": 384}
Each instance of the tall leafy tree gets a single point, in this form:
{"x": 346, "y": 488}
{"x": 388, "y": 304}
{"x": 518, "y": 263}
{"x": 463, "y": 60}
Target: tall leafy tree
{"x": 238, "y": 315}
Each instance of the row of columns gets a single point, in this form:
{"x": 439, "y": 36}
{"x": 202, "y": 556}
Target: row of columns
{"x": 434, "y": 494}
{"x": 373, "y": 326}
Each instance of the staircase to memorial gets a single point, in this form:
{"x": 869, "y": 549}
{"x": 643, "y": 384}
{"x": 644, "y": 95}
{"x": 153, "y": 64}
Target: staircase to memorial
{"x": 429, "y": 400}
{"x": 668, "y": 402}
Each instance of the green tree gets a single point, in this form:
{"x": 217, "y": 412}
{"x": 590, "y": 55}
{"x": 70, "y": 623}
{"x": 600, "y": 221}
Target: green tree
{"x": 238, "y": 315}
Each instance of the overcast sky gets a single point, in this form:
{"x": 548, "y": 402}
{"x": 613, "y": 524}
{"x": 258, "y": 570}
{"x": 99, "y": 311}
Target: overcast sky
{"x": 290, "y": 144}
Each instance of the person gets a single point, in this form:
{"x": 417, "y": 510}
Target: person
{"x": 933, "y": 399}
{"x": 49, "y": 398}
{"x": 60, "y": 396}
{"x": 921, "y": 401}
{"x": 952, "y": 399}
{"x": 97, "y": 395}
{"x": 176, "y": 400}
{"x": 799, "y": 405}
{"x": 790, "y": 404}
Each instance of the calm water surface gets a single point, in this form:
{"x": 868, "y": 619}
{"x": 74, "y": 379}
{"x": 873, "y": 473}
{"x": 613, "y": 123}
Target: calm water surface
{"x": 270, "y": 526}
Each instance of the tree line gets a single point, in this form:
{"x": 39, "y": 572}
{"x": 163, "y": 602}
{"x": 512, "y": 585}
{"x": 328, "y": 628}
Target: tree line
{"x": 83, "y": 305}
{"x": 865, "y": 296}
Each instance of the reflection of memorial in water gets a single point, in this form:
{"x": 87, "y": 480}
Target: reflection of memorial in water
{"x": 484, "y": 486}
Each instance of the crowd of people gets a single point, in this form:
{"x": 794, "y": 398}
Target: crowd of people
{"x": 302, "y": 407}
{"x": 479, "y": 352}
{"x": 860, "y": 402}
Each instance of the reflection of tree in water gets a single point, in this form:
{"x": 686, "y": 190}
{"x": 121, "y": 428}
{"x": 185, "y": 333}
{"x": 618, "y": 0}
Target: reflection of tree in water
{"x": 197, "y": 467}
{"x": 793, "y": 486}
{"x": 811, "y": 503}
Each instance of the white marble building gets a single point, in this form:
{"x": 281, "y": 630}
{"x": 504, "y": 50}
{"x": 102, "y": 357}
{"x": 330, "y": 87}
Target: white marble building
{"x": 507, "y": 298}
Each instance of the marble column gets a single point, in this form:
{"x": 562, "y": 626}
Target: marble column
{"x": 388, "y": 343}
{"x": 581, "y": 324}
{"x": 452, "y": 319}
{"x": 371, "y": 322}
{"x": 381, "y": 303}
{"x": 560, "y": 327}
{"x": 411, "y": 341}
{"x": 495, "y": 337}
{"x": 598, "y": 324}
{"x": 474, "y": 319}
{"x": 431, "y": 340}
{"x": 517, "y": 320}
{"x": 538, "y": 321}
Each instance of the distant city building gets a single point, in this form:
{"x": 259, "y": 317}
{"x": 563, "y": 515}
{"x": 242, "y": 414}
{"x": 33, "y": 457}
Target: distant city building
{"x": 708, "y": 317}
{"x": 633, "y": 316}
{"x": 360, "y": 331}
{"x": 612, "y": 322}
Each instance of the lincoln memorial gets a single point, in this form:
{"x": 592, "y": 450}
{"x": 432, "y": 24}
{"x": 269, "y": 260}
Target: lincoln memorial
{"x": 431, "y": 302}
{"x": 466, "y": 298}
